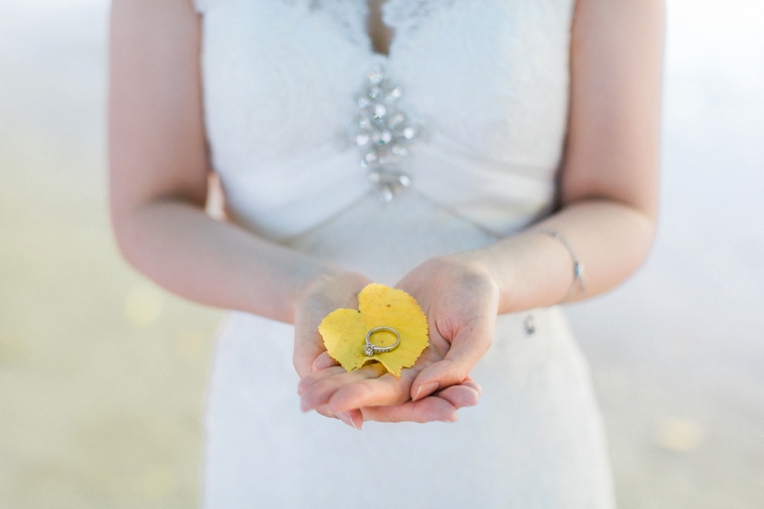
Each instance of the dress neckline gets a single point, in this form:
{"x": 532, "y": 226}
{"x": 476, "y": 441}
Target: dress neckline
{"x": 400, "y": 16}
{"x": 375, "y": 10}
{"x": 384, "y": 20}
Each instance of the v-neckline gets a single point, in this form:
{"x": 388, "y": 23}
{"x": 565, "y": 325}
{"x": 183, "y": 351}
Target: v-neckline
{"x": 378, "y": 11}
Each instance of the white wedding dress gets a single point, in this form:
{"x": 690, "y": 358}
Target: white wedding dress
{"x": 485, "y": 84}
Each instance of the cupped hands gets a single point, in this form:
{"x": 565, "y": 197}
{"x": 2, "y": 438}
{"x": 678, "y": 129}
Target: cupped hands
{"x": 460, "y": 299}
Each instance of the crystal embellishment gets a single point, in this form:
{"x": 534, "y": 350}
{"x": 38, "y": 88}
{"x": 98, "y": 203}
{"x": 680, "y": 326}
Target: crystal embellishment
{"x": 383, "y": 133}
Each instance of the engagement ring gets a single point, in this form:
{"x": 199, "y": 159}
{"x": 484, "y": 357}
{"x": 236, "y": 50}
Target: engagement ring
{"x": 370, "y": 348}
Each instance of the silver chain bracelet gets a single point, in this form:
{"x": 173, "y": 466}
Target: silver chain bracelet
{"x": 578, "y": 268}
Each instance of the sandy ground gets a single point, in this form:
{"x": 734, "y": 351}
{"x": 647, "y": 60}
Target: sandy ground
{"x": 102, "y": 374}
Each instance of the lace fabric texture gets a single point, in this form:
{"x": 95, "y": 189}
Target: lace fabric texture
{"x": 490, "y": 80}
{"x": 279, "y": 78}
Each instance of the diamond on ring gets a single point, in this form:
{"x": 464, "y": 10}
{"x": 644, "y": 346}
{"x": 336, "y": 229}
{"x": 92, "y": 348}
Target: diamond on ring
{"x": 370, "y": 349}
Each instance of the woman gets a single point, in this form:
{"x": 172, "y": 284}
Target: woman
{"x": 512, "y": 142}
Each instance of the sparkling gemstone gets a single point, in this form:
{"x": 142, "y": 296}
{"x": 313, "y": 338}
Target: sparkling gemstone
{"x": 380, "y": 111}
{"x": 397, "y": 119}
{"x": 384, "y": 135}
{"x": 376, "y": 77}
{"x": 399, "y": 150}
{"x": 368, "y": 350}
{"x": 394, "y": 94}
{"x": 387, "y": 193}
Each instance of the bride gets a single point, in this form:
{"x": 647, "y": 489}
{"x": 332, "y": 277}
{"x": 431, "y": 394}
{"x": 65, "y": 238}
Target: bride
{"x": 477, "y": 154}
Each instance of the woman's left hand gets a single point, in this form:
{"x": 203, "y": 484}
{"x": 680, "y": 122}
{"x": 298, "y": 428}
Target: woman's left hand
{"x": 460, "y": 298}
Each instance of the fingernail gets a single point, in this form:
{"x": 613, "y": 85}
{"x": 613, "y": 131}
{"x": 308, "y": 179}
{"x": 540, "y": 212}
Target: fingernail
{"x": 347, "y": 419}
{"x": 451, "y": 418}
{"x": 426, "y": 390}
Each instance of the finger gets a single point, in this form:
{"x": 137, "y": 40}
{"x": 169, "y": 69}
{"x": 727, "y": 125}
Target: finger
{"x": 384, "y": 390}
{"x": 317, "y": 376}
{"x": 353, "y": 418}
{"x": 460, "y": 396}
{"x": 307, "y": 348}
{"x": 471, "y": 383}
{"x": 323, "y": 410}
{"x": 324, "y": 361}
{"x": 467, "y": 348}
{"x": 425, "y": 410}
{"x": 319, "y": 393}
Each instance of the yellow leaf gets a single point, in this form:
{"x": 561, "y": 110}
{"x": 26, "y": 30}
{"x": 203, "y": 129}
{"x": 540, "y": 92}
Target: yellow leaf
{"x": 344, "y": 330}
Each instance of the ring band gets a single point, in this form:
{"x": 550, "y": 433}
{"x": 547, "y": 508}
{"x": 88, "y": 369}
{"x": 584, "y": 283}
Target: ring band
{"x": 370, "y": 348}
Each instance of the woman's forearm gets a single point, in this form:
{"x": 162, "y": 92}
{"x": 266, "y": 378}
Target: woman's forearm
{"x": 216, "y": 263}
{"x": 534, "y": 269}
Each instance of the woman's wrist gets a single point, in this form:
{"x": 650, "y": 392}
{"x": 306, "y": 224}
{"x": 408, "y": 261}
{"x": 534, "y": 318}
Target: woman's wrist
{"x": 516, "y": 267}
{"x": 543, "y": 265}
{"x": 483, "y": 264}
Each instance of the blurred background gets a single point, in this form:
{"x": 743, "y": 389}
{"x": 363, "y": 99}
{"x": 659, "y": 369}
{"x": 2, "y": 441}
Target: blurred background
{"x": 102, "y": 374}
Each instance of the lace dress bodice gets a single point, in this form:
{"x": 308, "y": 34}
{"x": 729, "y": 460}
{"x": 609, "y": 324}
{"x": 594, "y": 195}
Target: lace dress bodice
{"x": 488, "y": 78}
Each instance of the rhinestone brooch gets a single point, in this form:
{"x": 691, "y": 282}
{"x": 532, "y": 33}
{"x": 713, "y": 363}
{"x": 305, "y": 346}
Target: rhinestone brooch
{"x": 384, "y": 134}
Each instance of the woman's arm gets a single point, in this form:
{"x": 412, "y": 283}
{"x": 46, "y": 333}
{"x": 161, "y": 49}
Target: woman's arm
{"x": 609, "y": 180}
{"x": 158, "y": 189}
{"x": 159, "y": 172}
{"x": 158, "y": 185}
{"x": 608, "y": 197}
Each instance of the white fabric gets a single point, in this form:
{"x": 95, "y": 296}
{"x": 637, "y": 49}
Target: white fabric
{"x": 280, "y": 78}
{"x": 490, "y": 79}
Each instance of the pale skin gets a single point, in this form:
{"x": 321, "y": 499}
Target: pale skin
{"x": 607, "y": 209}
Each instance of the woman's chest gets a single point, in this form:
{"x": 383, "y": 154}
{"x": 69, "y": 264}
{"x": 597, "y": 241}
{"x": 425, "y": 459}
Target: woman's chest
{"x": 280, "y": 76}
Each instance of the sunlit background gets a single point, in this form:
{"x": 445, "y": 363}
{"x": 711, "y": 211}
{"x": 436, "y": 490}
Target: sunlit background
{"x": 102, "y": 374}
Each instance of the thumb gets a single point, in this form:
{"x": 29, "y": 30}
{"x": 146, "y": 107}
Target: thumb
{"x": 323, "y": 361}
{"x": 468, "y": 346}
{"x": 307, "y": 348}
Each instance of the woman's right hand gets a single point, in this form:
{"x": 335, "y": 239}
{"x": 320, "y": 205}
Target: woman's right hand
{"x": 325, "y": 294}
